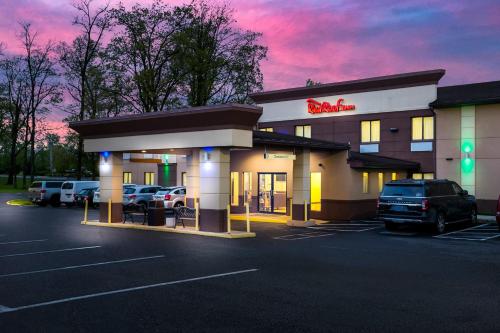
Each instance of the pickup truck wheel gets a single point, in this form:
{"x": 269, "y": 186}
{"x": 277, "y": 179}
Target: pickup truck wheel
{"x": 440, "y": 223}
{"x": 473, "y": 215}
{"x": 390, "y": 226}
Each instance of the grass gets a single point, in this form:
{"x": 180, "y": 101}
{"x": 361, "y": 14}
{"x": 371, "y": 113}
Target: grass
{"x": 4, "y": 188}
{"x": 19, "y": 202}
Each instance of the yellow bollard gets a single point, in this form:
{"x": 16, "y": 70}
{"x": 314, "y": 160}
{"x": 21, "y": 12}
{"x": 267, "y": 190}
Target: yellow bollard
{"x": 109, "y": 211}
{"x": 305, "y": 210}
{"x": 247, "y": 212}
{"x": 291, "y": 207}
{"x": 197, "y": 215}
{"x": 85, "y": 215}
{"x": 228, "y": 218}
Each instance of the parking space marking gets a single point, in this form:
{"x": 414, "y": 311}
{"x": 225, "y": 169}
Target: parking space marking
{"x": 81, "y": 266}
{"x": 5, "y": 309}
{"x": 361, "y": 226}
{"x": 480, "y": 232}
{"x": 49, "y": 251}
{"x": 25, "y": 241}
{"x": 304, "y": 235}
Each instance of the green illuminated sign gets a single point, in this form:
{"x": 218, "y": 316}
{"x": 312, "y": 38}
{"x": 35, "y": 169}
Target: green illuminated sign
{"x": 467, "y": 165}
{"x": 467, "y": 146}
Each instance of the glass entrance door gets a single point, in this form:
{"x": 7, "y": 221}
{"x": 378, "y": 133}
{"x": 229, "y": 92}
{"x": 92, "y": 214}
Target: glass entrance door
{"x": 272, "y": 193}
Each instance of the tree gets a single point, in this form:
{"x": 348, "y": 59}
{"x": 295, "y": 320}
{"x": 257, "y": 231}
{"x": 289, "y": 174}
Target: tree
{"x": 79, "y": 58}
{"x": 144, "y": 50}
{"x": 221, "y": 62}
{"x": 43, "y": 87}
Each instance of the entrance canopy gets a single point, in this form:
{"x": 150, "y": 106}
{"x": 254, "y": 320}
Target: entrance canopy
{"x": 228, "y": 125}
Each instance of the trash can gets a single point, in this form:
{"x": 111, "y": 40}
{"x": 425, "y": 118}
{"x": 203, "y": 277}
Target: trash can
{"x": 156, "y": 213}
{"x": 170, "y": 218}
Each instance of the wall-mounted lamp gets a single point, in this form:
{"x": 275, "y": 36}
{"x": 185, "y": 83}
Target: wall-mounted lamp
{"x": 320, "y": 165}
{"x": 449, "y": 158}
{"x": 394, "y": 129}
{"x": 105, "y": 154}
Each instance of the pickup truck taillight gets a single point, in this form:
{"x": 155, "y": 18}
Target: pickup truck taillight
{"x": 425, "y": 205}
{"x": 132, "y": 196}
{"x": 168, "y": 197}
{"x": 43, "y": 191}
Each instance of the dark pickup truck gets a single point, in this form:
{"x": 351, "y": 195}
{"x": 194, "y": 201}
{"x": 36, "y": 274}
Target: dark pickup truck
{"x": 435, "y": 202}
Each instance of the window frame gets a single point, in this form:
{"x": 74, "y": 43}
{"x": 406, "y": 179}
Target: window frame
{"x": 235, "y": 188}
{"x": 127, "y": 173}
{"x": 370, "y": 122}
{"x": 266, "y": 129}
{"x": 303, "y": 129}
{"x": 365, "y": 182}
{"x": 422, "y": 129}
{"x": 149, "y": 180}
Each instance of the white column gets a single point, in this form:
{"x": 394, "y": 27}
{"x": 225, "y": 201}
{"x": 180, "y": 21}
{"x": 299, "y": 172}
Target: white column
{"x": 193, "y": 177}
{"x": 111, "y": 185}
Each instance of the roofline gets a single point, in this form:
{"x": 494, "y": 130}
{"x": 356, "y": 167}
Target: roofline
{"x": 449, "y": 104}
{"x": 402, "y": 80}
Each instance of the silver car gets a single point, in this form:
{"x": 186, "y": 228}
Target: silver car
{"x": 97, "y": 194}
{"x": 139, "y": 194}
{"x": 43, "y": 192}
{"x": 171, "y": 196}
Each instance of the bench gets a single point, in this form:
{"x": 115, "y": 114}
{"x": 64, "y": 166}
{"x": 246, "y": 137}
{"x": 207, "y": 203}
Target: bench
{"x": 184, "y": 213}
{"x": 131, "y": 210}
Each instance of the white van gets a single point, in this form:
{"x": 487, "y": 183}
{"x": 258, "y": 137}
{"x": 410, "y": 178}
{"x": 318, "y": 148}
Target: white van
{"x": 70, "y": 188}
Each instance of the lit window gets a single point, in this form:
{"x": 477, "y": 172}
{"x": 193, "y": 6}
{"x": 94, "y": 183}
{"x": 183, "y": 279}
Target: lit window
{"x": 365, "y": 182}
{"x": 394, "y": 176}
{"x": 380, "y": 181}
{"x": 427, "y": 175}
{"x": 149, "y": 178}
{"x": 316, "y": 191}
{"x": 303, "y": 131}
{"x": 247, "y": 187}
{"x": 370, "y": 131}
{"x": 234, "y": 189}
{"x": 127, "y": 178}
{"x": 184, "y": 178}
{"x": 422, "y": 128}
{"x": 266, "y": 129}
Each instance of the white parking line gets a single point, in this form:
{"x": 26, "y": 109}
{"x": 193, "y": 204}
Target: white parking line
{"x": 25, "y": 241}
{"x": 81, "y": 266}
{"x": 5, "y": 309}
{"x": 49, "y": 251}
{"x": 304, "y": 235}
{"x": 480, "y": 232}
{"x": 344, "y": 229}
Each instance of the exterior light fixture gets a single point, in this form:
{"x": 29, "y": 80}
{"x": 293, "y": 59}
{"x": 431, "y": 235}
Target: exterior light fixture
{"x": 143, "y": 151}
{"x": 105, "y": 154}
{"x": 467, "y": 161}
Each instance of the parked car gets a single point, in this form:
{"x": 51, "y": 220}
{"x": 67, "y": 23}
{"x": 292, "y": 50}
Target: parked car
{"x": 44, "y": 191}
{"x": 97, "y": 195}
{"x": 69, "y": 189}
{"x": 171, "y": 196}
{"x": 85, "y": 194}
{"x": 435, "y": 202}
{"x": 498, "y": 212}
{"x": 139, "y": 194}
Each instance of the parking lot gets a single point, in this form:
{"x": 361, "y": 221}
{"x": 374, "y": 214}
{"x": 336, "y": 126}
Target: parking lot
{"x": 59, "y": 275}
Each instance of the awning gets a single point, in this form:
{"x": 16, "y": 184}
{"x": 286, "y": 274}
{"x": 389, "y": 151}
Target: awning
{"x": 369, "y": 161}
{"x": 285, "y": 140}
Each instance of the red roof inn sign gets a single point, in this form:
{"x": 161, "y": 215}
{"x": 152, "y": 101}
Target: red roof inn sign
{"x": 314, "y": 106}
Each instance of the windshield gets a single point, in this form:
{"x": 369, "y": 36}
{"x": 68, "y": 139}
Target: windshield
{"x": 67, "y": 186}
{"x": 403, "y": 190}
{"x": 128, "y": 190}
{"x": 83, "y": 191}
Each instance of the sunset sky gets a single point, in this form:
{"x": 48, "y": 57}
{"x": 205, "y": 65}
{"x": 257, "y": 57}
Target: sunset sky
{"x": 332, "y": 40}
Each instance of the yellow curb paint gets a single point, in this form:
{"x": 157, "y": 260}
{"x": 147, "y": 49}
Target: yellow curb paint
{"x": 233, "y": 235}
{"x": 19, "y": 202}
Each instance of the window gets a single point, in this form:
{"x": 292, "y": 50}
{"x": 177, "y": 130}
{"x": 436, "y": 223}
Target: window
{"x": 247, "y": 187}
{"x": 234, "y": 189}
{"x": 427, "y": 175}
{"x": 380, "y": 181}
{"x": 127, "y": 178}
{"x": 149, "y": 178}
{"x": 316, "y": 191}
{"x": 184, "y": 178}
{"x": 422, "y": 128}
{"x": 394, "y": 176}
{"x": 303, "y": 131}
{"x": 266, "y": 129}
{"x": 365, "y": 182}
{"x": 370, "y": 131}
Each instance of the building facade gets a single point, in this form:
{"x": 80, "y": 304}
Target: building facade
{"x": 321, "y": 152}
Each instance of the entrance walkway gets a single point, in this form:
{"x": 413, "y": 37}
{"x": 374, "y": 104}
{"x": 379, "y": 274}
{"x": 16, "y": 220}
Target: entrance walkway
{"x": 256, "y": 217}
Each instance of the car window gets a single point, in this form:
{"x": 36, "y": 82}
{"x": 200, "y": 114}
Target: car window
{"x": 36, "y": 185}
{"x": 175, "y": 192}
{"x": 182, "y": 191}
{"x": 457, "y": 188}
{"x": 403, "y": 190}
{"x": 83, "y": 192}
{"x": 53, "y": 184}
{"x": 67, "y": 186}
{"x": 129, "y": 190}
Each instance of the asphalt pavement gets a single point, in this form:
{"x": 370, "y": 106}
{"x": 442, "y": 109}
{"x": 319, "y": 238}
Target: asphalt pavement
{"x": 57, "y": 275}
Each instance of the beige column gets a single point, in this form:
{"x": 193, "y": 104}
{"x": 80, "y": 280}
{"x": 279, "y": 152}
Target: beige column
{"x": 214, "y": 189}
{"x": 193, "y": 177}
{"x": 301, "y": 184}
{"x": 111, "y": 186}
